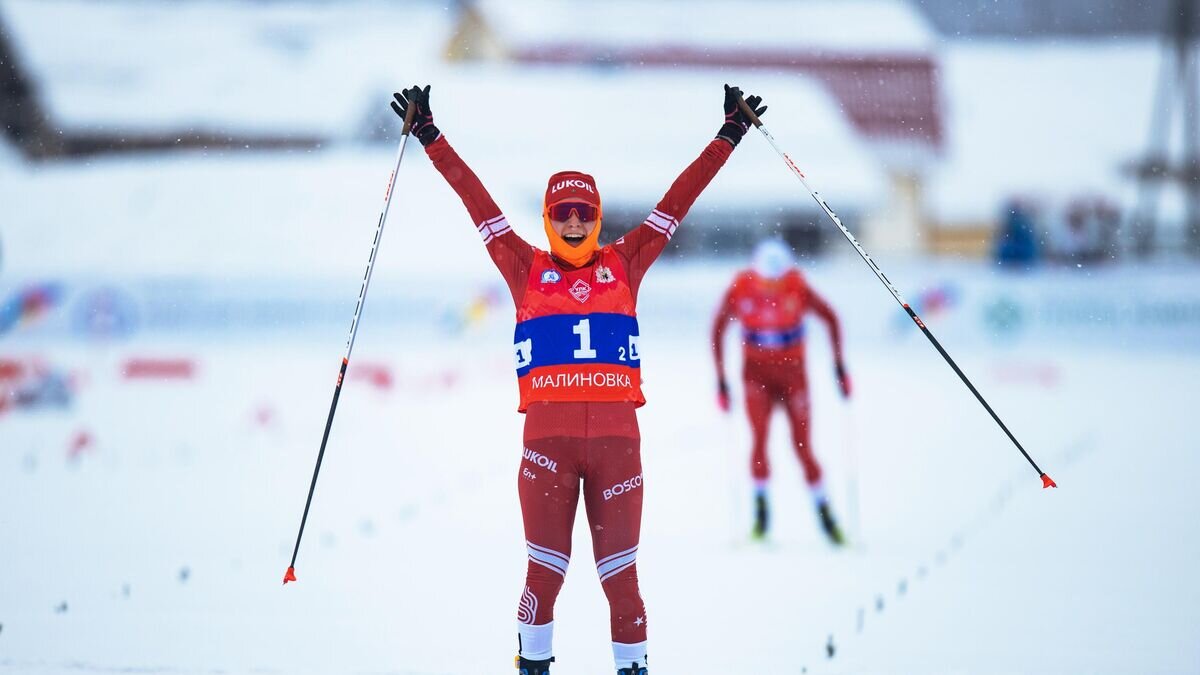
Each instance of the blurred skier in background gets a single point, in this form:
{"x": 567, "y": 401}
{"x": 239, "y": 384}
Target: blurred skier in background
{"x": 771, "y": 300}
{"x": 578, "y": 371}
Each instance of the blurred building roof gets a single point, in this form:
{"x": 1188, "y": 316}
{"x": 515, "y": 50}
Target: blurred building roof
{"x": 662, "y": 122}
{"x": 875, "y": 57}
{"x": 1042, "y": 19}
{"x": 252, "y": 67}
{"x": 304, "y": 68}
{"x": 54, "y": 59}
{"x": 847, "y": 26}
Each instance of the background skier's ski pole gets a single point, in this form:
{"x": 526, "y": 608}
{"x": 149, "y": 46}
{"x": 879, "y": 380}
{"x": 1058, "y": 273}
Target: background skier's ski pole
{"x": 290, "y": 575}
{"x": 1046, "y": 480}
{"x": 850, "y": 456}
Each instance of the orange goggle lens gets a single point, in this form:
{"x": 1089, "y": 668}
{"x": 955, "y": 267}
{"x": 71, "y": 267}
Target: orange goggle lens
{"x": 562, "y": 211}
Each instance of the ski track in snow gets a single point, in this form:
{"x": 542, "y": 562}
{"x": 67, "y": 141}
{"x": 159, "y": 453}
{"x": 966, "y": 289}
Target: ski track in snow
{"x": 161, "y": 548}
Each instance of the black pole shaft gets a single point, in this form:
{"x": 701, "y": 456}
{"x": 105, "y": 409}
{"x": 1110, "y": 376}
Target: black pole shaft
{"x": 337, "y": 392}
{"x": 409, "y": 113}
{"x": 938, "y": 346}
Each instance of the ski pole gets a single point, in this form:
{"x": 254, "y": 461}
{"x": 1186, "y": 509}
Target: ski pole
{"x": 290, "y": 575}
{"x": 850, "y": 454}
{"x": 1047, "y": 482}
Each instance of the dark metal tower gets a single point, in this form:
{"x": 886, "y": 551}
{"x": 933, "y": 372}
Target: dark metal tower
{"x": 1177, "y": 84}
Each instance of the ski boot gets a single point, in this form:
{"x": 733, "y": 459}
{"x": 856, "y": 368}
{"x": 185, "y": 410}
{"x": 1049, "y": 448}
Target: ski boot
{"x": 830, "y": 525}
{"x": 633, "y": 669}
{"x": 527, "y": 667}
{"x": 761, "y": 520}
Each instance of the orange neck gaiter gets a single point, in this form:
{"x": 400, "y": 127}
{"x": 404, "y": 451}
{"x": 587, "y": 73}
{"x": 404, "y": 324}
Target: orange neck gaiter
{"x": 575, "y": 256}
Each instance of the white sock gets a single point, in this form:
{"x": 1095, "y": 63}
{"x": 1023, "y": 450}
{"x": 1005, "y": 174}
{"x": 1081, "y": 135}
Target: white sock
{"x": 818, "y": 493}
{"x": 760, "y": 487}
{"x": 536, "y": 641}
{"x": 629, "y": 654}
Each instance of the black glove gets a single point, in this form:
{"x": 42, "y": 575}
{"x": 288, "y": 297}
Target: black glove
{"x": 422, "y": 123}
{"x": 723, "y": 395}
{"x": 737, "y": 122}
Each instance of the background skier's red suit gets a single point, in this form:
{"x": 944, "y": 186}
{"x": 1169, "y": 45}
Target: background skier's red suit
{"x": 771, "y": 312}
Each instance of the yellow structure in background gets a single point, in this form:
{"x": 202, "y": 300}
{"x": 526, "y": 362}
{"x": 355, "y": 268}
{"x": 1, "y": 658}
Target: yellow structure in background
{"x": 473, "y": 39}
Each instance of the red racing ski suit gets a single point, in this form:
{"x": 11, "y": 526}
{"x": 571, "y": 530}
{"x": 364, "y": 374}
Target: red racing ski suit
{"x": 580, "y": 424}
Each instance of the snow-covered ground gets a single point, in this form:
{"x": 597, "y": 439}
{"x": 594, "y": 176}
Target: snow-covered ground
{"x": 158, "y": 544}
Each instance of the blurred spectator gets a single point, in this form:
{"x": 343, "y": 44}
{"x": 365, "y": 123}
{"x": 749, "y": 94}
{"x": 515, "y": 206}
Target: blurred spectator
{"x": 1075, "y": 239}
{"x": 1086, "y": 233}
{"x": 1016, "y": 241}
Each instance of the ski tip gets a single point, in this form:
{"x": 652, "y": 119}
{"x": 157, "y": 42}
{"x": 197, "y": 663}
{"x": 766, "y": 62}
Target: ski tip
{"x": 290, "y": 575}
{"x": 1048, "y": 482}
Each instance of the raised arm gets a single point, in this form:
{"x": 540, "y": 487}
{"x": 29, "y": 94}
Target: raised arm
{"x": 642, "y": 246}
{"x": 822, "y": 309}
{"x": 511, "y": 254}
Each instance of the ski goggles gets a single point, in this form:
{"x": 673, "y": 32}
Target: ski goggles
{"x": 562, "y": 211}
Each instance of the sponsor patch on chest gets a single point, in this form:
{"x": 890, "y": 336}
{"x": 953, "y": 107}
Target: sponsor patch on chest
{"x": 580, "y": 290}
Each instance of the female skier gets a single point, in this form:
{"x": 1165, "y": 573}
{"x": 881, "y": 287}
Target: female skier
{"x": 770, "y": 300}
{"x": 577, "y": 362}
